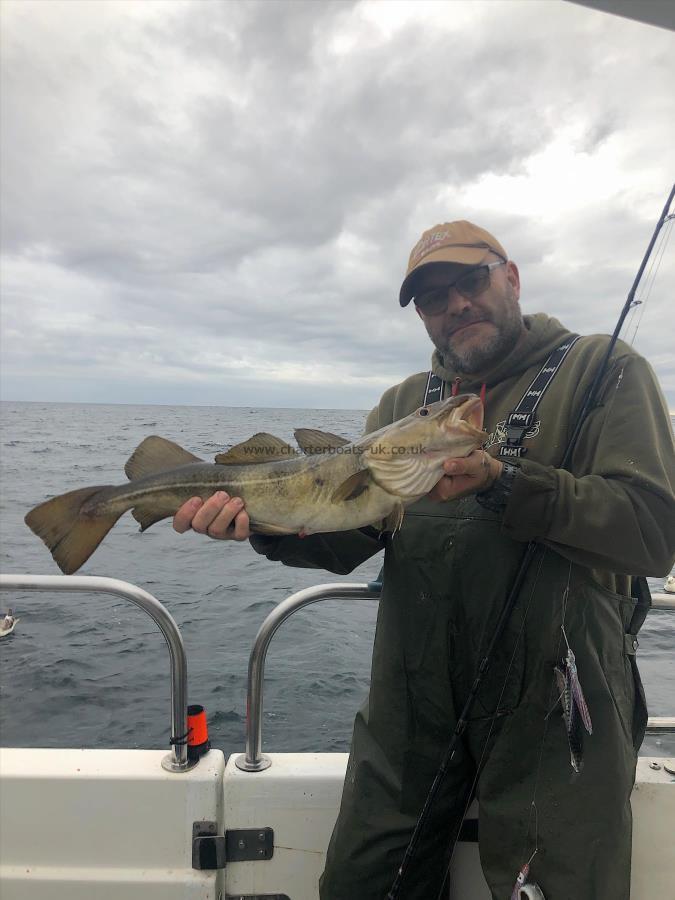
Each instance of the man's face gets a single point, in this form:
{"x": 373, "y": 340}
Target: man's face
{"x": 474, "y": 334}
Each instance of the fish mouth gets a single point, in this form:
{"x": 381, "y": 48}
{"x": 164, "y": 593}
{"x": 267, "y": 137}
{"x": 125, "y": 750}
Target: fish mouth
{"x": 470, "y": 411}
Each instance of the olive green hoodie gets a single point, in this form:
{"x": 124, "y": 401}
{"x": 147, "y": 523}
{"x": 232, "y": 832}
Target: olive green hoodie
{"x": 612, "y": 510}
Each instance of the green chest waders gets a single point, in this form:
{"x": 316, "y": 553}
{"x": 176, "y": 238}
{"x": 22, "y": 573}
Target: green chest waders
{"x": 445, "y": 577}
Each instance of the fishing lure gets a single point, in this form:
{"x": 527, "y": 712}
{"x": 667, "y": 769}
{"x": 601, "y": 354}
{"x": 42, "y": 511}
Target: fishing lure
{"x": 524, "y": 891}
{"x": 574, "y": 707}
{"x": 577, "y": 692}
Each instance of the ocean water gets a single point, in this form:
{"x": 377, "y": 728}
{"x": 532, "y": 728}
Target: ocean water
{"x": 93, "y": 671}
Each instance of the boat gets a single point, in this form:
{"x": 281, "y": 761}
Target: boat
{"x": 5, "y": 632}
{"x": 149, "y": 824}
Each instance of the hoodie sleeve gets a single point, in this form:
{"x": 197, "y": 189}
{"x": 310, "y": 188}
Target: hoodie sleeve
{"x": 621, "y": 515}
{"x": 340, "y": 552}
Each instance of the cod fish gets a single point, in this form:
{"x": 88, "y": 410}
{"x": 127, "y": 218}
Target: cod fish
{"x": 334, "y": 485}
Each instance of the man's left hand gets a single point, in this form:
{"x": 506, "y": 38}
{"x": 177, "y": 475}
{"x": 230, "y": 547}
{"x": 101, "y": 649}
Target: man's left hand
{"x": 467, "y": 475}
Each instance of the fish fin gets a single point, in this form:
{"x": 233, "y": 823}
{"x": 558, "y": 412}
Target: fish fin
{"x": 157, "y": 454}
{"x": 70, "y": 536}
{"x": 146, "y": 516}
{"x": 312, "y": 441}
{"x": 406, "y": 475}
{"x": 394, "y": 520}
{"x": 266, "y": 528}
{"x": 260, "y": 448}
{"x": 353, "y": 487}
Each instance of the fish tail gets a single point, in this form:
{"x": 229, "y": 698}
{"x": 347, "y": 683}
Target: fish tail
{"x": 70, "y": 534}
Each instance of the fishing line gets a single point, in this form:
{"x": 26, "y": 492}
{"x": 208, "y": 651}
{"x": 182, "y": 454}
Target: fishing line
{"x": 638, "y": 305}
{"x": 651, "y": 278}
{"x": 631, "y": 317}
{"x": 519, "y": 579}
{"x": 663, "y": 238}
{"x": 550, "y": 708}
{"x": 593, "y": 390}
{"x": 462, "y": 721}
{"x": 493, "y": 719}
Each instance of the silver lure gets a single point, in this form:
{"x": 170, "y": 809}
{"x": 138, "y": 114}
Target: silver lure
{"x": 577, "y": 692}
{"x": 524, "y": 891}
{"x": 574, "y": 708}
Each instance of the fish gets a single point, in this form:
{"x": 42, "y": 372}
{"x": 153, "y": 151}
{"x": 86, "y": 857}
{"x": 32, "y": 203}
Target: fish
{"x": 333, "y": 485}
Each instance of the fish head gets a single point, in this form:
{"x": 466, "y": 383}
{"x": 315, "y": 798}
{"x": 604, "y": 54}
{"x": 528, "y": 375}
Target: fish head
{"x": 451, "y": 427}
{"x": 406, "y": 457}
{"x": 451, "y": 424}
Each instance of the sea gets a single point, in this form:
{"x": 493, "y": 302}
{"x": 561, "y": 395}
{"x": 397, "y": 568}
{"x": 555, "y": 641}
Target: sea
{"x": 93, "y": 670}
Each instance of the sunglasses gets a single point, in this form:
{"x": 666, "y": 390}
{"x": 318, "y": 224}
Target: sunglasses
{"x": 469, "y": 285}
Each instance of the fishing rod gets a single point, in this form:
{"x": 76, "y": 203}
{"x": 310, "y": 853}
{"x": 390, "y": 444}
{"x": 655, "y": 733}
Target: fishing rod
{"x": 514, "y": 592}
{"x": 593, "y": 390}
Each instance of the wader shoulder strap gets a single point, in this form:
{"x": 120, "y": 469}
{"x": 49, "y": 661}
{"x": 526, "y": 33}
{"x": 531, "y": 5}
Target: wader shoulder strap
{"x": 639, "y": 590}
{"x": 521, "y": 419}
{"x": 434, "y": 389}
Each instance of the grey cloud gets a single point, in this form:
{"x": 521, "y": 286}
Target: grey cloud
{"x": 216, "y": 177}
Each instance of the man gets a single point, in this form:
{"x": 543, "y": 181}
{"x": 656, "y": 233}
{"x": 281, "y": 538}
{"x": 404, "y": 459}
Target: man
{"x": 607, "y": 517}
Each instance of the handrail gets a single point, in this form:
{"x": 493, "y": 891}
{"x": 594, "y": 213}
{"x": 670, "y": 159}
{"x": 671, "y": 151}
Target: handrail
{"x": 177, "y": 760}
{"x": 663, "y": 601}
{"x": 661, "y": 725}
{"x": 253, "y": 760}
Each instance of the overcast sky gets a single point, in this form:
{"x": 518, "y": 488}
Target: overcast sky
{"x": 214, "y": 202}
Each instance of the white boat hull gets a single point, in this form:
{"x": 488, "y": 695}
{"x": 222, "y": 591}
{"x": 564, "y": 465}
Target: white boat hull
{"x": 112, "y": 824}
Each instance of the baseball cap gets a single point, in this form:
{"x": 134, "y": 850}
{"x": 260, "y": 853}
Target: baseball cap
{"x": 451, "y": 242}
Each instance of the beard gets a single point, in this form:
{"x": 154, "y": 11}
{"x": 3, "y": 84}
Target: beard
{"x": 480, "y": 357}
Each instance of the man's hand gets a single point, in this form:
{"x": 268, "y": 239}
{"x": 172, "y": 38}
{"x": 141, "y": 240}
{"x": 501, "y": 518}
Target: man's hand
{"x": 220, "y": 517}
{"x": 468, "y": 475}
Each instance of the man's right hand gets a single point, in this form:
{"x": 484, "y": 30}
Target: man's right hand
{"x": 220, "y": 517}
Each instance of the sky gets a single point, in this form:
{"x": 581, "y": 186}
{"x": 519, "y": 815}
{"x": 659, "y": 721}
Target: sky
{"x": 213, "y": 202}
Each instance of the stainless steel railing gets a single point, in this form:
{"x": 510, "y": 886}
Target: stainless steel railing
{"x": 663, "y": 601}
{"x": 177, "y": 759}
{"x": 662, "y": 724}
{"x": 254, "y": 760}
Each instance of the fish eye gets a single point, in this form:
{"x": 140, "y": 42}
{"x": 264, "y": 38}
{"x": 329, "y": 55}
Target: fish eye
{"x": 424, "y": 411}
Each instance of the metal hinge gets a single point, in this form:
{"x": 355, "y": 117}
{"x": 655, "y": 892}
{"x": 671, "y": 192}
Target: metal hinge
{"x": 211, "y": 850}
{"x": 208, "y": 847}
{"x": 248, "y": 844}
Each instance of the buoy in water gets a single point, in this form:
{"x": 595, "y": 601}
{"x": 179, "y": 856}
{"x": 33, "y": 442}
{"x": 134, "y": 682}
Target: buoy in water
{"x": 7, "y": 625}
